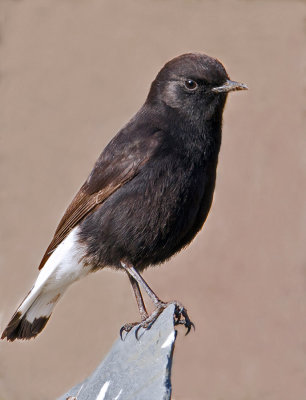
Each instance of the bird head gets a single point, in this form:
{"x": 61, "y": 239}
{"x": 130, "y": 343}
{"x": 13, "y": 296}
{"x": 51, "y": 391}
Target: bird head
{"x": 194, "y": 84}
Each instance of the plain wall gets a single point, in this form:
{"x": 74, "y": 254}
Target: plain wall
{"x": 72, "y": 72}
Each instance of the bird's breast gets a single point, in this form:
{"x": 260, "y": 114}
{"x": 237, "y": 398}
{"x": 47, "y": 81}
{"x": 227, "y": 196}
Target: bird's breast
{"x": 151, "y": 217}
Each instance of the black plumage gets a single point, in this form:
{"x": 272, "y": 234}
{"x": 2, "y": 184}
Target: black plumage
{"x": 176, "y": 137}
{"x": 151, "y": 189}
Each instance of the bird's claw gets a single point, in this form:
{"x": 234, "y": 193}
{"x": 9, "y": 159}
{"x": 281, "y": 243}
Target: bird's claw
{"x": 144, "y": 324}
{"x": 180, "y": 318}
{"x": 179, "y": 312}
{"x": 127, "y": 328}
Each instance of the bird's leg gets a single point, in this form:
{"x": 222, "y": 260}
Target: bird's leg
{"x": 141, "y": 307}
{"x": 137, "y": 279}
{"x": 140, "y": 303}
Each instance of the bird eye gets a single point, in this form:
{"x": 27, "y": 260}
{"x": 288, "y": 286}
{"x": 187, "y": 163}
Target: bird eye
{"x": 190, "y": 84}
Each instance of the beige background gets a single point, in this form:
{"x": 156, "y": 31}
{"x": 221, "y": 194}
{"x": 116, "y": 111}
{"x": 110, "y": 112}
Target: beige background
{"x": 72, "y": 72}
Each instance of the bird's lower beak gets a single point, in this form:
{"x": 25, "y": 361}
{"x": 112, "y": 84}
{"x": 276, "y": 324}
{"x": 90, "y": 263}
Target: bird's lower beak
{"x": 229, "y": 86}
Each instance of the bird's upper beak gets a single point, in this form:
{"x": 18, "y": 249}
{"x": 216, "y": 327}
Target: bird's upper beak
{"x": 229, "y": 86}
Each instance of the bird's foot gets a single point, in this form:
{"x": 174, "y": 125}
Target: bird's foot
{"x": 145, "y": 323}
{"x": 127, "y": 328}
{"x": 180, "y": 318}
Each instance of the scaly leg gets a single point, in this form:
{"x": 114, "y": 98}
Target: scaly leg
{"x": 141, "y": 307}
{"x": 137, "y": 279}
{"x": 140, "y": 303}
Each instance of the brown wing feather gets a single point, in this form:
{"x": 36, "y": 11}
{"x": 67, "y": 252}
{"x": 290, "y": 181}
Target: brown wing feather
{"x": 80, "y": 206}
{"x": 109, "y": 174}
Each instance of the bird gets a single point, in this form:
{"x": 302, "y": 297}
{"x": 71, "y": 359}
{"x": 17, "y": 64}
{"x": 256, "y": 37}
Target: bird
{"x": 146, "y": 198}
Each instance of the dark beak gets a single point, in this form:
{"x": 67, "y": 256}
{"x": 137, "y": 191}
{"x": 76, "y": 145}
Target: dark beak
{"x": 229, "y": 86}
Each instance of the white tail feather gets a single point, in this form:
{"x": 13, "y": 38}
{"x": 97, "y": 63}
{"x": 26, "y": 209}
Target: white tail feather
{"x": 43, "y": 305}
{"x": 64, "y": 266}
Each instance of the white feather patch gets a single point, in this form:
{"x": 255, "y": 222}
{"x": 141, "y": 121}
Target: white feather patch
{"x": 43, "y": 305}
{"x": 64, "y": 266}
